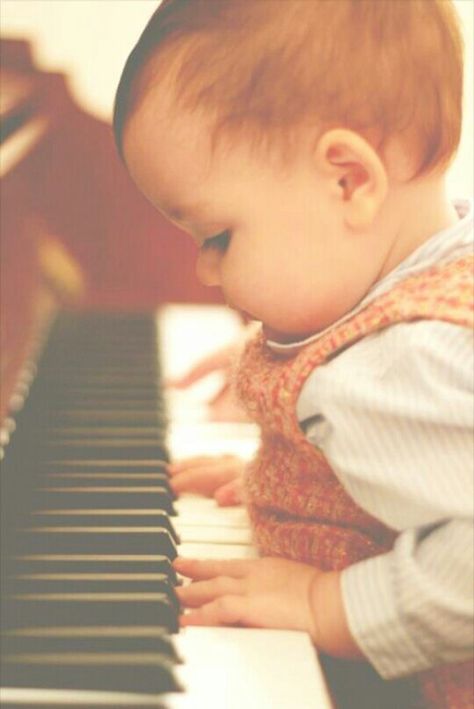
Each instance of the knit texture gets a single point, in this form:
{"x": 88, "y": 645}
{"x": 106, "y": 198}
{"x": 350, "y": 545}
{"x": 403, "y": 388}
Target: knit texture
{"x": 297, "y": 506}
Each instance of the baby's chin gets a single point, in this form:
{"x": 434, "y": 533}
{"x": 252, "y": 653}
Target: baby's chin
{"x": 282, "y": 338}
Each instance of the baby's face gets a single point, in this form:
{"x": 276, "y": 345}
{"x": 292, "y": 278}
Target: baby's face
{"x": 272, "y": 239}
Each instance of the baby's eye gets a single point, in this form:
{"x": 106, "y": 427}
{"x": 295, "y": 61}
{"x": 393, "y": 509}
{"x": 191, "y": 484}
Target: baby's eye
{"x": 220, "y": 241}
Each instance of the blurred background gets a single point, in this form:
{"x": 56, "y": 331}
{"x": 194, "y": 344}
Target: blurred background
{"x": 69, "y": 54}
{"x": 75, "y": 231}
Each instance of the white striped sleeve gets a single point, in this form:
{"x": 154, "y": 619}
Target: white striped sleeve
{"x": 394, "y": 415}
{"x": 411, "y": 609}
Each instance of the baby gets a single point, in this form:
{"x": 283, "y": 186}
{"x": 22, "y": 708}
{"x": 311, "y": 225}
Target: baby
{"x": 303, "y": 145}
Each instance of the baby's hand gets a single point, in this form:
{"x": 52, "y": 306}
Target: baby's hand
{"x": 224, "y": 405}
{"x": 257, "y": 593}
{"x": 212, "y": 476}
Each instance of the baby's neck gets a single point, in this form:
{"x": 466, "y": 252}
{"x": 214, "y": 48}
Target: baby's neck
{"x": 417, "y": 211}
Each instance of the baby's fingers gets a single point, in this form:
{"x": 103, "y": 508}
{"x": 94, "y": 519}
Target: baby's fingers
{"x": 227, "y": 610}
{"x": 215, "y": 361}
{"x": 202, "y": 570}
{"x": 199, "y": 462}
{"x": 230, "y": 494}
{"x": 204, "y": 475}
{"x": 203, "y": 481}
{"x": 196, "y": 461}
{"x": 195, "y": 595}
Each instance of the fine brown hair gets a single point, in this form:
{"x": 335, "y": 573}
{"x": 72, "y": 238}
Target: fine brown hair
{"x": 264, "y": 68}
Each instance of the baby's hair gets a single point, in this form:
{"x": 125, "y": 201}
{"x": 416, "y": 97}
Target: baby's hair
{"x": 262, "y": 69}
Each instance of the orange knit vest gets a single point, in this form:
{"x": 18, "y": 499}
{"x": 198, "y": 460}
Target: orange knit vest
{"x": 297, "y": 506}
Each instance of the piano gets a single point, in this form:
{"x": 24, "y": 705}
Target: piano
{"x": 89, "y": 524}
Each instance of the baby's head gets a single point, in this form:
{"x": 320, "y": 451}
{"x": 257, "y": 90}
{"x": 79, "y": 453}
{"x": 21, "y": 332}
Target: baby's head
{"x": 275, "y": 131}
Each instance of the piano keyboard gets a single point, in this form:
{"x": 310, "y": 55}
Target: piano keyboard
{"x": 89, "y": 527}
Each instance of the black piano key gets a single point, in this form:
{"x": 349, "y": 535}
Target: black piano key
{"x": 105, "y": 497}
{"x": 103, "y": 431}
{"x": 63, "y": 402}
{"x": 111, "y": 377}
{"x": 95, "y": 563}
{"x": 96, "y": 333}
{"x": 97, "y": 364}
{"x": 106, "y": 322}
{"x": 58, "y": 609}
{"x": 119, "y": 402}
{"x": 117, "y": 477}
{"x": 103, "y": 540}
{"x": 104, "y": 448}
{"x": 56, "y": 471}
{"x": 59, "y": 583}
{"x": 126, "y": 353}
{"x": 116, "y": 356}
{"x": 117, "y": 349}
{"x": 106, "y": 416}
{"x": 124, "y": 378}
{"x": 91, "y": 639}
{"x": 100, "y": 407}
{"x": 94, "y": 408}
{"x": 123, "y": 466}
{"x": 106, "y": 518}
{"x": 112, "y": 373}
{"x": 110, "y": 672}
{"x": 105, "y": 479}
{"x": 80, "y": 392}
{"x": 82, "y": 700}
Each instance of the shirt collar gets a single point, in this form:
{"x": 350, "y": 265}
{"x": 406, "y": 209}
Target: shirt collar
{"x": 446, "y": 245}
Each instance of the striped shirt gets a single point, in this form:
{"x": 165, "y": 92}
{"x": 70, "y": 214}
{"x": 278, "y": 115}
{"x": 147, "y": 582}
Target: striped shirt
{"x": 394, "y": 416}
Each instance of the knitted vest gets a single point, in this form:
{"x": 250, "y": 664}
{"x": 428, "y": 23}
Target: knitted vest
{"x": 297, "y": 506}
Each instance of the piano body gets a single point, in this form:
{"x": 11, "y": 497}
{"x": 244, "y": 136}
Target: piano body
{"x": 88, "y": 522}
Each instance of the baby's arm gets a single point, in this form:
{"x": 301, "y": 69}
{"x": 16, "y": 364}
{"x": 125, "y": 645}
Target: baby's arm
{"x": 223, "y": 406}
{"x": 268, "y": 593}
{"x": 410, "y": 608}
{"x": 394, "y": 415}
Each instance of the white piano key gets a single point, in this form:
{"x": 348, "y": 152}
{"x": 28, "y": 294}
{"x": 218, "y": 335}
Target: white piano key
{"x": 224, "y": 668}
{"x": 235, "y": 667}
{"x": 192, "y": 509}
{"x": 187, "y": 439}
{"x": 206, "y": 530}
{"x": 79, "y": 698}
{"x": 223, "y": 657}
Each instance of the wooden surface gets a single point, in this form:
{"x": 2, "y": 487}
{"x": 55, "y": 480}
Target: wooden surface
{"x": 62, "y": 181}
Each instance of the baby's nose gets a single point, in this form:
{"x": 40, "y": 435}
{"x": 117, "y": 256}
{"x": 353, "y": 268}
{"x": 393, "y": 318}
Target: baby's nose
{"x": 208, "y": 267}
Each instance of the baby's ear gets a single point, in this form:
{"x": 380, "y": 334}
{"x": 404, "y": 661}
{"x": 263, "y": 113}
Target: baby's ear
{"x": 357, "y": 174}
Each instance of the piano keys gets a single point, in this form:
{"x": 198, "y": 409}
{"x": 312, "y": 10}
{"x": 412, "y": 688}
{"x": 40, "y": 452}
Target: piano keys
{"x": 44, "y": 516}
{"x": 89, "y": 615}
{"x": 89, "y": 525}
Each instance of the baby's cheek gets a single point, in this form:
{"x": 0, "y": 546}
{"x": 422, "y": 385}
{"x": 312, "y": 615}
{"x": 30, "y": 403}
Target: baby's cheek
{"x": 242, "y": 286}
